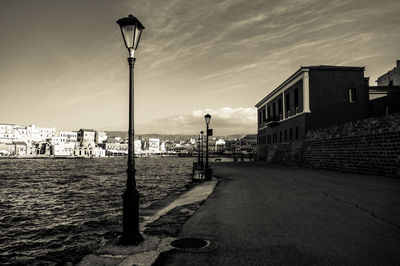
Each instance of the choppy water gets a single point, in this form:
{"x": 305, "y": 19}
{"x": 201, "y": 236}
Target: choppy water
{"x": 52, "y": 208}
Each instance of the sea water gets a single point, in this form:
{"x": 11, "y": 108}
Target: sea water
{"x": 51, "y": 209}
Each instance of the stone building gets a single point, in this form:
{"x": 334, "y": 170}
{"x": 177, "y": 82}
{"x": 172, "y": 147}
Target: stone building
{"x": 313, "y": 97}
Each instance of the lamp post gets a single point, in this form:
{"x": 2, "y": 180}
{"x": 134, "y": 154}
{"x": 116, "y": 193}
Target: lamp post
{"x": 201, "y": 150}
{"x": 207, "y": 170}
{"x": 198, "y": 151}
{"x": 131, "y": 29}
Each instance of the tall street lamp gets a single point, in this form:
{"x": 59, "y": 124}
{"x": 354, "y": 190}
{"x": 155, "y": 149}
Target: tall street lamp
{"x": 131, "y": 29}
{"x": 207, "y": 170}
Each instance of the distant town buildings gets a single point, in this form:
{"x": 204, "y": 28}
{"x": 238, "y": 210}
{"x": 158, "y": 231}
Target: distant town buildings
{"x": 20, "y": 140}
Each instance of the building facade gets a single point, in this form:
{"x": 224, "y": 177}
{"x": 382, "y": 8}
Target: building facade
{"x": 86, "y": 137}
{"x": 391, "y": 78}
{"x": 313, "y": 97}
{"x": 385, "y": 97}
{"x": 154, "y": 145}
{"x": 6, "y": 133}
{"x": 101, "y": 136}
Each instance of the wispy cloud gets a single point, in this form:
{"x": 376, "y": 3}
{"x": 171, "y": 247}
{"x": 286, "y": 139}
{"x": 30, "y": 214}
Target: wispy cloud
{"x": 230, "y": 72}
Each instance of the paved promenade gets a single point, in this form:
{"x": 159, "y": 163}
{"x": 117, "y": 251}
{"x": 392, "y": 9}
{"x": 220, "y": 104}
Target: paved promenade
{"x": 279, "y": 215}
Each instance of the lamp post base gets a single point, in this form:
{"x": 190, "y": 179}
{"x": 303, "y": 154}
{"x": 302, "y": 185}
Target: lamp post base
{"x": 131, "y": 234}
{"x": 208, "y": 173}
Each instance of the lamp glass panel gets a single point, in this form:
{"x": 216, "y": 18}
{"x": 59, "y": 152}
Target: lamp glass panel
{"x": 128, "y": 32}
{"x": 137, "y": 37}
{"x": 207, "y": 117}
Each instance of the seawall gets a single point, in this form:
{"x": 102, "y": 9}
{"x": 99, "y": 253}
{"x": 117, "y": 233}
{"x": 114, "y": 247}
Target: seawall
{"x": 369, "y": 146}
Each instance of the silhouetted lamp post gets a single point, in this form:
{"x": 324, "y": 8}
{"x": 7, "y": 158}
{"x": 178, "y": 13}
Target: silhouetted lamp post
{"x": 201, "y": 150}
{"x": 131, "y": 29}
{"x": 207, "y": 168}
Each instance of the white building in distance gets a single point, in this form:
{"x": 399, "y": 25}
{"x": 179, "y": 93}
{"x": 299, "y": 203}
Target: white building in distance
{"x": 162, "y": 147}
{"x": 154, "y": 145}
{"x": 138, "y": 146}
{"x": 101, "y": 136}
{"x": 6, "y": 133}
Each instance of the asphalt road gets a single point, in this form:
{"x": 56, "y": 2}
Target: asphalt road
{"x": 277, "y": 215}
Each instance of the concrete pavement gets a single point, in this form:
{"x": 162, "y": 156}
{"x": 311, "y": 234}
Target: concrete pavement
{"x": 279, "y": 215}
{"x": 147, "y": 251}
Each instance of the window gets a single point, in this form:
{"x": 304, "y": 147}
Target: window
{"x": 280, "y": 111}
{"x": 280, "y": 136}
{"x": 264, "y": 115}
{"x": 269, "y": 111}
{"x": 285, "y": 134}
{"x": 352, "y": 95}
{"x": 297, "y": 132}
{"x": 273, "y": 110}
{"x": 287, "y": 102}
{"x": 259, "y": 117}
{"x": 296, "y": 99}
{"x": 269, "y": 139}
{"x": 290, "y": 134}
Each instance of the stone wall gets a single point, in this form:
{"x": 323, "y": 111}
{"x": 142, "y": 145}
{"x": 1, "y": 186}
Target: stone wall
{"x": 369, "y": 146}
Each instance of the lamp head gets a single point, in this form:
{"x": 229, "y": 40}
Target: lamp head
{"x": 131, "y": 29}
{"x": 208, "y": 118}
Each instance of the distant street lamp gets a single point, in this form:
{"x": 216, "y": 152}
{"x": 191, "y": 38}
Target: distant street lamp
{"x": 201, "y": 150}
{"x": 131, "y": 29}
{"x": 207, "y": 170}
{"x": 198, "y": 151}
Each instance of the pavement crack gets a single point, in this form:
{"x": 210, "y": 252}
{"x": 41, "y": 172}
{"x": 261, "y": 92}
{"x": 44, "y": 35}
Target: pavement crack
{"x": 372, "y": 213}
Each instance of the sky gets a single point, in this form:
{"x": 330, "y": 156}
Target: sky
{"x": 63, "y": 63}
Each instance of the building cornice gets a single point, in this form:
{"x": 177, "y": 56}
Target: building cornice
{"x": 287, "y": 83}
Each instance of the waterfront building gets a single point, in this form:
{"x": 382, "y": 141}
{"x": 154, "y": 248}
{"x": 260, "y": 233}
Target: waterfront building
{"x": 69, "y": 136}
{"x": 83, "y": 151}
{"x": 6, "y": 133}
{"x": 21, "y": 133}
{"x": 18, "y": 148}
{"x": 86, "y": 137}
{"x": 116, "y": 149}
{"x": 313, "y": 97}
{"x": 138, "y": 146}
{"x": 62, "y": 148}
{"x": 4, "y": 150}
{"x": 220, "y": 145}
{"x": 248, "y": 143}
{"x": 63, "y": 143}
{"x": 154, "y": 145}
{"x": 163, "y": 147}
{"x": 100, "y": 136}
{"x": 37, "y": 134}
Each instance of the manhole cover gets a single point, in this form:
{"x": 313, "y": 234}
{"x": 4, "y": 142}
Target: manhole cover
{"x": 189, "y": 243}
